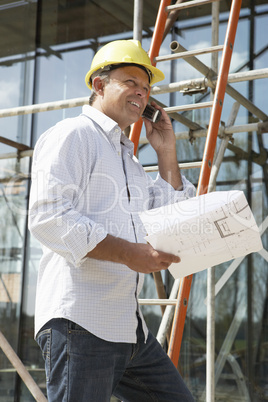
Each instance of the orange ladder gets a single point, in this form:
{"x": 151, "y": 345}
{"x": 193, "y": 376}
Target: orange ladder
{"x": 185, "y": 285}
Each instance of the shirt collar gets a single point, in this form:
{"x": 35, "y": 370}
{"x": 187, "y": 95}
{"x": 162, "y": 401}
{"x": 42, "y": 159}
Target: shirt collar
{"x": 105, "y": 122}
{"x": 108, "y": 125}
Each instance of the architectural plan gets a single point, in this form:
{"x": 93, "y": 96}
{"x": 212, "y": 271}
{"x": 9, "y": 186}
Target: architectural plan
{"x": 203, "y": 231}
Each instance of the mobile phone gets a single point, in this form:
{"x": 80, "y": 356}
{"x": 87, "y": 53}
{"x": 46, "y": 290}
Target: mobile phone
{"x": 151, "y": 113}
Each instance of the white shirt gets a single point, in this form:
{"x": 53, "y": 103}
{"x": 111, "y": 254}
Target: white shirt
{"x": 87, "y": 183}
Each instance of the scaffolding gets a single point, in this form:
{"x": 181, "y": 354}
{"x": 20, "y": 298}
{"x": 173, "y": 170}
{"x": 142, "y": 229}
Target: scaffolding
{"x": 174, "y": 308}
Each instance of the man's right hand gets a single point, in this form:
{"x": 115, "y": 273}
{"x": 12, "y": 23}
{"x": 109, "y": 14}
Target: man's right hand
{"x": 137, "y": 256}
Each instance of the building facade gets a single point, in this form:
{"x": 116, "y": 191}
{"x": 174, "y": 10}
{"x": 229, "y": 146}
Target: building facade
{"x": 46, "y": 50}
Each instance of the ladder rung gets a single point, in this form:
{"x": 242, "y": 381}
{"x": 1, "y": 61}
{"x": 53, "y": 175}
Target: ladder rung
{"x": 158, "y": 302}
{"x": 187, "y": 165}
{"x": 189, "y": 4}
{"x": 189, "y": 53}
{"x": 188, "y": 107}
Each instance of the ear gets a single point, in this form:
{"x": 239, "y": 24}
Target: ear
{"x": 98, "y": 85}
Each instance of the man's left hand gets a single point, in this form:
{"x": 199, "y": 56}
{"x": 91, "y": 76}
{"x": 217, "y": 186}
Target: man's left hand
{"x": 160, "y": 135}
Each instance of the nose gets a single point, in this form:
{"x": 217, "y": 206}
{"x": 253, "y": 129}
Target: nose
{"x": 140, "y": 91}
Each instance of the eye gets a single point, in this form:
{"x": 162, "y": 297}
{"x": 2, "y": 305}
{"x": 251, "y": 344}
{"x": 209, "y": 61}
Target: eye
{"x": 146, "y": 89}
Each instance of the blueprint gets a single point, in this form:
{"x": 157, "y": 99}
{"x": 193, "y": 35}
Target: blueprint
{"x": 203, "y": 231}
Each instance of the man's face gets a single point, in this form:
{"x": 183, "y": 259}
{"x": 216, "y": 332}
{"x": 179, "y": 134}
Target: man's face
{"x": 125, "y": 95}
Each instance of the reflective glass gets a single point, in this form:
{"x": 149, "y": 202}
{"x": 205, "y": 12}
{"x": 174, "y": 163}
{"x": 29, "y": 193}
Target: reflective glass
{"x": 46, "y": 50}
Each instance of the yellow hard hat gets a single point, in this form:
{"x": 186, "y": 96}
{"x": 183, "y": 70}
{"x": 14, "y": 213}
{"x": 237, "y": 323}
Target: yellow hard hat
{"x": 123, "y": 52}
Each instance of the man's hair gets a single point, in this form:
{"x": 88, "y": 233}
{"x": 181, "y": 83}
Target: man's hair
{"x": 104, "y": 75}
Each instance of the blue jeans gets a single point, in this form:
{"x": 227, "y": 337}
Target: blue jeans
{"x": 83, "y": 368}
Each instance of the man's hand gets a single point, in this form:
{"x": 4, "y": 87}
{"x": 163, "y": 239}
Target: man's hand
{"x": 137, "y": 256}
{"x": 160, "y": 135}
{"x": 162, "y": 138}
{"x": 144, "y": 258}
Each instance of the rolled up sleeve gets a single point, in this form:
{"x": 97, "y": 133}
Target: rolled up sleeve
{"x": 163, "y": 193}
{"x": 56, "y": 217}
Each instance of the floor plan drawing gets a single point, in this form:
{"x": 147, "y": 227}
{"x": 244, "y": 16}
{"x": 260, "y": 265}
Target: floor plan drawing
{"x": 204, "y": 231}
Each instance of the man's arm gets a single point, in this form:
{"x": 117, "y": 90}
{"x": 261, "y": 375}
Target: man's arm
{"x": 162, "y": 138}
{"x": 137, "y": 256}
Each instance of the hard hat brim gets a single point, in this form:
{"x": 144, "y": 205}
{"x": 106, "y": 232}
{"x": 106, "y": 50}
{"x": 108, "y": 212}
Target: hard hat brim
{"x": 157, "y": 75}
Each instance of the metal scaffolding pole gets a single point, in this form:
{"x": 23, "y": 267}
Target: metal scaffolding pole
{"x": 138, "y": 20}
{"x": 196, "y": 83}
{"x": 223, "y": 132}
{"x": 203, "y": 83}
{"x": 21, "y": 370}
{"x": 210, "y": 74}
{"x": 210, "y": 341}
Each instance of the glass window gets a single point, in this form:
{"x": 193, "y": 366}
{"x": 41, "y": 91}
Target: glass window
{"x": 46, "y": 50}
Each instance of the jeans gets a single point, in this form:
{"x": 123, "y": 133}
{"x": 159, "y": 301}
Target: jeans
{"x": 83, "y": 368}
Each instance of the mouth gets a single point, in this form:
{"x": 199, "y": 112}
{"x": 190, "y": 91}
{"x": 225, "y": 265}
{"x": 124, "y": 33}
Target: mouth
{"x": 135, "y": 104}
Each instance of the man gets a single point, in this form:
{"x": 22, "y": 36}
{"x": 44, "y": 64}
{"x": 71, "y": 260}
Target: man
{"x": 87, "y": 190}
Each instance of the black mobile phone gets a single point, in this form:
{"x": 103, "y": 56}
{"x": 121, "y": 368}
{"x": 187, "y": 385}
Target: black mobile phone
{"x": 151, "y": 113}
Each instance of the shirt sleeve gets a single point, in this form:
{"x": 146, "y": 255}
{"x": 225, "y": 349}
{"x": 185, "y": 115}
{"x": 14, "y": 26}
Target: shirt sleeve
{"x": 163, "y": 193}
{"x": 57, "y": 184}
